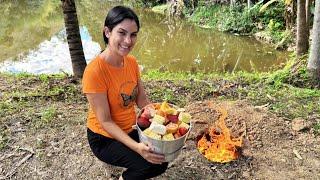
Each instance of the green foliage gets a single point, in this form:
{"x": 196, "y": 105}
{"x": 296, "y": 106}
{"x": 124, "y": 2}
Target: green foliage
{"x": 287, "y": 91}
{"x": 206, "y": 15}
{"x": 147, "y": 3}
{"x": 178, "y": 88}
{"x": 272, "y": 18}
{"x": 276, "y": 31}
{"x": 164, "y": 94}
{"x": 166, "y": 75}
{"x": 5, "y": 107}
{"x": 240, "y": 19}
{"x": 274, "y": 26}
{"x": 298, "y": 73}
{"x": 253, "y": 77}
{"x": 275, "y": 12}
{"x": 3, "y": 138}
{"x": 23, "y": 75}
{"x": 44, "y": 117}
{"x": 162, "y": 9}
{"x": 274, "y": 89}
{"x": 266, "y": 5}
{"x": 56, "y": 90}
{"x": 232, "y": 19}
{"x": 279, "y": 77}
{"x": 44, "y": 78}
{"x": 284, "y": 99}
{"x": 48, "y": 114}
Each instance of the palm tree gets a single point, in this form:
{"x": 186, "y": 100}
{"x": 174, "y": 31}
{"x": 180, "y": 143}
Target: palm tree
{"x": 314, "y": 58}
{"x": 73, "y": 37}
{"x": 302, "y": 29}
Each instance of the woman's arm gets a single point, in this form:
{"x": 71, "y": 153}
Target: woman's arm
{"x": 142, "y": 99}
{"x": 100, "y": 105}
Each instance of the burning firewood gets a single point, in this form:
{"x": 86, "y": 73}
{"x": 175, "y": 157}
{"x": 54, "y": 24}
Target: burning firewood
{"x": 217, "y": 143}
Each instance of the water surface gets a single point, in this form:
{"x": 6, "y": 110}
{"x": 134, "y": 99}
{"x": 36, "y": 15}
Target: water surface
{"x": 33, "y": 40}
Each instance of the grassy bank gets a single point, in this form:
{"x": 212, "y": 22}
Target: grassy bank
{"x": 286, "y": 93}
{"x": 280, "y": 91}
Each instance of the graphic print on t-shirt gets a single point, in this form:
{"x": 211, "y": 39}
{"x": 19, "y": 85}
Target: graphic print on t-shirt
{"x": 128, "y": 94}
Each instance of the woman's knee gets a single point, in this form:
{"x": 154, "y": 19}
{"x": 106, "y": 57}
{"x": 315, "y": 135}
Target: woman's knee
{"x": 154, "y": 170}
{"x": 160, "y": 169}
{"x": 146, "y": 171}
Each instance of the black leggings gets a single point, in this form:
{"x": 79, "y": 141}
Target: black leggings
{"x": 115, "y": 153}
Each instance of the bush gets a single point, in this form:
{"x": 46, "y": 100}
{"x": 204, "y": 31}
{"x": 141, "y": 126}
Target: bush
{"x": 273, "y": 12}
{"x": 239, "y": 19}
{"x": 149, "y": 3}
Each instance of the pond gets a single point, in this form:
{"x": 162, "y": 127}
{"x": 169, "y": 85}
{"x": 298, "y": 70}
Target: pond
{"x": 33, "y": 40}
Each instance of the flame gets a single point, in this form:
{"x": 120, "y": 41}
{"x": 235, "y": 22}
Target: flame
{"x": 217, "y": 145}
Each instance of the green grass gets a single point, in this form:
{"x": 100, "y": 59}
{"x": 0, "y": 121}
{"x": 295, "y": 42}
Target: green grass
{"x": 43, "y": 117}
{"x": 279, "y": 89}
{"x": 287, "y": 92}
{"x": 22, "y": 75}
{"x": 162, "y": 9}
{"x": 158, "y": 75}
{"x": 3, "y": 138}
{"x": 43, "y": 86}
{"x": 5, "y": 107}
{"x": 48, "y": 114}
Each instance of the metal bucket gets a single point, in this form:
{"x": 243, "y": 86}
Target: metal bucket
{"x": 171, "y": 149}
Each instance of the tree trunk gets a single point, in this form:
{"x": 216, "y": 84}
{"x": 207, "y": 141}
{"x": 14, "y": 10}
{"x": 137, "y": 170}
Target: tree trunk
{"x": 249, "y": 4}
{"x": 314, "y": 58}
{"x": 302, "y": 41}
{"x": 290, "y": 14}
{"x": 232, "y": 3}
{"x": 308, "y": 5}
{"x": 73, "y": 37}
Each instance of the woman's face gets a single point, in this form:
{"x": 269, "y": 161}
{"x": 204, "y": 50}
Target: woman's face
{"x": 123, "y": 37}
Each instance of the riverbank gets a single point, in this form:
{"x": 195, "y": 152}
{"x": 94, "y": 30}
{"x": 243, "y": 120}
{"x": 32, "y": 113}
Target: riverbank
{"x": 267, "y": 25}
{"x": 43, "y": 125}
{"x": 184, "y": 87}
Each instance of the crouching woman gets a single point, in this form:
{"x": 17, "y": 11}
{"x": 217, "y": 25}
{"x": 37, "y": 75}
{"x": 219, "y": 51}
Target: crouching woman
{"x": 112, "y": 85}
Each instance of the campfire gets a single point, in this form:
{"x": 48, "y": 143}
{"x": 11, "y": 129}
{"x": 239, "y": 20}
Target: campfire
{"x": 217, "y": 143}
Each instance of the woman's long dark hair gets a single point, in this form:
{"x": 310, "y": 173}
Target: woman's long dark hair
{"x": 116, "y": 15}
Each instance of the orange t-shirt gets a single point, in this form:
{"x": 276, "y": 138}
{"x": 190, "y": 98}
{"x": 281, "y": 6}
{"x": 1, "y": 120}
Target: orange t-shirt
{"x": 120, "y": 86}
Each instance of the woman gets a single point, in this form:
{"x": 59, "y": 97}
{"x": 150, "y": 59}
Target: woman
{"x": 112, "y": 86}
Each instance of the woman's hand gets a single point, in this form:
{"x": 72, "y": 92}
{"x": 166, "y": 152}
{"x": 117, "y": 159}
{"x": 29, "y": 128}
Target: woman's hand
{"x": 146, "y": 152}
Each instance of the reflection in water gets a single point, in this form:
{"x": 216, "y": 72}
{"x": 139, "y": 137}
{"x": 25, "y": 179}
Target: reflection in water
{"x": 52, "y": 56}
{"x": 163, "y": 43}
{"x": 24, "y": 24}
{"x": 177, "y": 45}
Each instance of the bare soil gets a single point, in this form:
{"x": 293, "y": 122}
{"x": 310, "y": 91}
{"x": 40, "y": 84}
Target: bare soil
{"x": 58, "y": 149}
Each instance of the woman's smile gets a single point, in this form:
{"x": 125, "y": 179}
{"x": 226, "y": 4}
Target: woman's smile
{"x": 123, "y": 37}
{"x": 124, "y": 48}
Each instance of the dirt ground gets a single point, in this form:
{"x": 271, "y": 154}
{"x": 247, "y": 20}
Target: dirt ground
{"x": 272, "y": 150}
